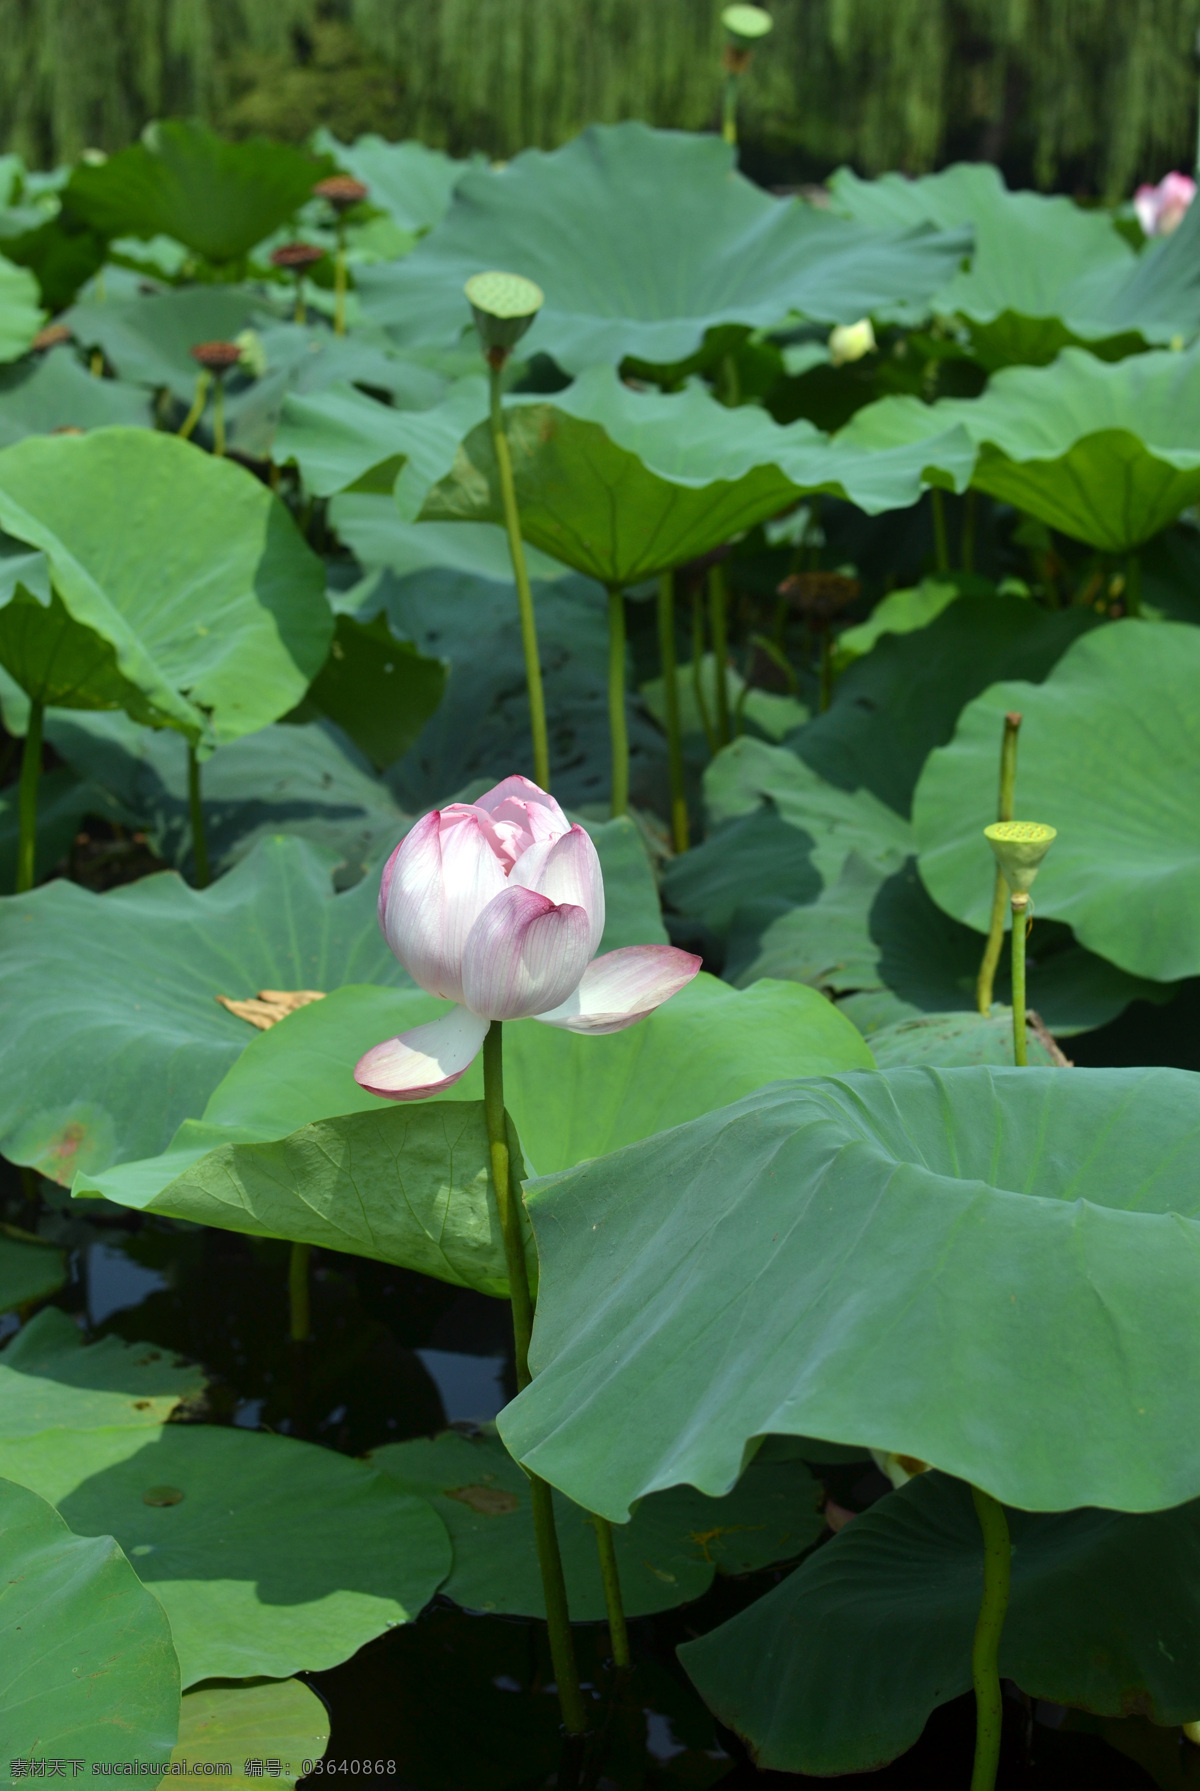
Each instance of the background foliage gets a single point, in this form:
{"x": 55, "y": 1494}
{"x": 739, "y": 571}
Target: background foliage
{"x": 1078, "y": 93}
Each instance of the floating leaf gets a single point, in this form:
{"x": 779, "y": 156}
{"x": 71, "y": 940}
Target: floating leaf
{"x": 29, "y": 1271}
{"x": 1110, "y": 750}
{"x": 642, "y": 240}
{"x": 966, "y": 1266}
{"x": 949, "y": 1040}
{"x": 54, "y": 392}
{"x": 51, "y": 1380}
{"x": 280, "y": 1557}
{"x": 838, "y": 1668}
{"x": 668, "y": 1555}
{"x": 88, "y": 1669}
{"x": 20, "y": 311}
{"x": 277, "y": 1719}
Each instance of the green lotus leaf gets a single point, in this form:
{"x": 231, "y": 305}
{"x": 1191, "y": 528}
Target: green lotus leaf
{"x": 1040, "y": 268}
{"x": 411, "y": 181}
{"x": 769, "y": 713}
{"x": 668, "y": 1555}
{"x": 20, "y": 310}
{"x": 949, "y": 1040}
{"x": 148, "y": 338}
{"x": 29, "y": 1271}
{"x": 837, "y": 1669}
{"x": 88, "y": 1671}
{"x": 1110, "y": 753}
{"x": 51, "y": 1380}
{"x": 105, "y": 1065}
{"x": 992, "y": 1270}
{"x": 171, "y": 572}
{"x": 278, "y": 1557}
{"x": 378, "y": 688}
{"x": 55, "y": 392}
{"x": 306, "y": 780}
{"x": 342, "y": 440}
{"x": 707, "y": 1045}
{"x": 622, "y": 484}
{"x": 1102, "y": 452}
{"x": 369, "y": 525}
{"x": 900, "y": 612}
{"x": 271, "y": 1719}
{"x": 642, "y": 240}
{"x": 183, "y": 180}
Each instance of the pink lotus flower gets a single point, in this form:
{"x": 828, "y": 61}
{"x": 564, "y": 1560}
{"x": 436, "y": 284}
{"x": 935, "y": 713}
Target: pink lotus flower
{"x": 1160, "y": 209}
{"x": 498, "y": 905}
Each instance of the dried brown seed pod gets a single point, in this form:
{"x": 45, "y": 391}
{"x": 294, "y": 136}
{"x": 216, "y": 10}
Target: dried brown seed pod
{"x": 216, "y": 356}
{"x": 341, "y": 190}
{"x": 51, "y": 336}
{"x": 297, "y": 256}
{"x": 820, "y": 596}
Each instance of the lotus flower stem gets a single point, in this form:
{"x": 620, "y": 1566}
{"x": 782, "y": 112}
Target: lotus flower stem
{"x": 203, "y": 381}
{"x": 617, "y": 1631}
{"x": 985, "y": 1653}
{"x": 618, "y": 725}
{"x": 967, "y": 545}
{"x": 516, "y": 548}
{"x": 299, "y": 1324}
{"x": 729, "y": 100}
{"x": 666, "y": 650}
{"x": 554, "y": 1585}
{"x": 219, "y": 417}
{"x": 1020, "y": 926}
{"x": 339, "y": 281}
{"x": 941, "y": 547}
{"x": 196, "y": 806}
{"x": 31, "y": 771}
{"x": 697, "y": 680}
{"x": 1004, "y": 812}
{"x": 718, "y": 610}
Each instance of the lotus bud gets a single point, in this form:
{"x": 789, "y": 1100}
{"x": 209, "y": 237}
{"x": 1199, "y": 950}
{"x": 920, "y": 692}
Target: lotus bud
{"x": 1020, "y": 847}
{"x": 851, "y": 341}
{"x": 252, "y": 356}
{"x": 503, "y": 306}
{"x": 1161, "y": 209}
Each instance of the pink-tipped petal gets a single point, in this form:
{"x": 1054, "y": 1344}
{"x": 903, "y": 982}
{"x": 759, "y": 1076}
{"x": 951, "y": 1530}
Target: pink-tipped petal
{"x": 516, "y": 814}
{"x": 623, "y": 987}
{"x": 567, "y": 870}
{"x": 439, "y": 880}
{"x": 424, "y": 1061}
{"x": 523, "y": 954}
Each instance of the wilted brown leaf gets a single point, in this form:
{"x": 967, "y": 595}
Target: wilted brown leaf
{"x": 270, "y": 1005}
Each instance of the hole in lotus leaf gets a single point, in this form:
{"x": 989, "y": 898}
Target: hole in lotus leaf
{"x": 162, "y": 1495}
{"x": 489, "y": 1501}
{"x": 270, "y": 1006}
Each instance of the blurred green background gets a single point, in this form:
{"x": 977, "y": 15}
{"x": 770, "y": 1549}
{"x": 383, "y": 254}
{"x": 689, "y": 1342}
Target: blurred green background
{"x": 1084, "y": 95}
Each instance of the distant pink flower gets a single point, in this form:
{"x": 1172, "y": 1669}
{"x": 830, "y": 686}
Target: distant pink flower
{"x": 1160, "y": 209}
{"x": 498, "y": 905}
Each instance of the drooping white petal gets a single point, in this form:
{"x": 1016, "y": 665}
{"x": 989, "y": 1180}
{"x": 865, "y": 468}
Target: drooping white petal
{"x": 623, "y": 987}
{"x": 438, "y": 881}
{"x": 567, "y": 870}
{"x": 523, "y": 954}
{"x": 424, "y": 1061}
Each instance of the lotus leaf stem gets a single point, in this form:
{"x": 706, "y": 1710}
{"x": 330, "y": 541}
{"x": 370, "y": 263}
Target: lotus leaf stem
{"x": 941, "y": 546}
{"x": 507, "y": 1195}
{"x": 718, "y": 611}
{"x": 31, "y": 771}
{"x": 516, "y": 548}
{"x": 729, "y": 107}
{"x": 1133, "y": 585}
{"x": 697, "y": 679}
{"x": 967, "y": 547}
{"x": 985, "y": 1653}
{"x": 219, "y": 417}
{"x": 670, "y": 678}
{"x": 825, "y": 697}
{"x": 618, "y": 725}
{"x": 298, "y": 1309}
{"x": 1004, "y": 812}
{"x": 199, "y": 835}
{"x": 203, "y": 381}
{"x": 299, "y": 315}
{"x": 339, "y": 281}
{"x": 1020, "y": 926}
{"x": 617, "y": 1631}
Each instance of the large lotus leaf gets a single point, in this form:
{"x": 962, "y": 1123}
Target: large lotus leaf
{"x": 370, "y": 526}
{"x": 20, "y": 311}
{"x": 147, "y": 338}
{"x": 29, "y": 1270}
{"x": 111, "y": 1029}
{"x": 306, "y": 780}
{"x": 950, "y": 1040}
{"x": 377, "y": 687}
{"x": 707, "y": 1045}
{"x": 642, "y": 240}
{"x": 621, "y": 484}
{"x": 278, "y": 1558}
{"x": 87, "y": 1671}
{"x": 669, "y": 1554}
{"x": 409, "y": 180}
{"x": 992, "y": 1270}
{"x": 55, "y": 392}
{"x": 1110, "y": 755}
{"x": 51, "y": 1380}
{"x": 272, "y": 1719}
{"x": 837, "y": 1669}
{"x": 900, "y": 612}
{"x": 188, "y": 569}
{"x": 182, "y": 180}
{"x": 343, "y": 440}
{"x": 1159, "y": 298}
{"x": 1037, "y": 264}
{"x": 1101, "y": 451}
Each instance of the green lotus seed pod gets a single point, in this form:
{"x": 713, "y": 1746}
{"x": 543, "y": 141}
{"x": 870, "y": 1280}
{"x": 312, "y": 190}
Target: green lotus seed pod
{"x": 745, "y": 25}
{"x": 1020, "y": 847}
{"x": 504, "y": 306}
